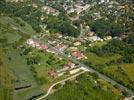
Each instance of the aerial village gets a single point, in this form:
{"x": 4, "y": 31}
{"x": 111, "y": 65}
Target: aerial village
{"x": 65, "y": 46}
{"x": 70, "y": 46}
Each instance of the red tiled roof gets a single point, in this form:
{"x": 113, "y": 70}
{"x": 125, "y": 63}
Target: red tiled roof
{"x": 78, "y": 54}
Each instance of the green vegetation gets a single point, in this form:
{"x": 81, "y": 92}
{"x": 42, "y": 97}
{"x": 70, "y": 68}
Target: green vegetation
{"x": 11, "y": 37}
{"x": 61, "y": 24}
{"x": 96, "y": 60}
{"x": 117, "y": 47}
{"x": 32, "y": 15}
{"x": 27, "y": 13}
{"x": 6, "y": 79}
{"x": 102, "y": 28}
{"x": 113, "y": 59}
{"x": 42, "y": 62}
{"x": 86, "y": 87}
{"x": 128, "y": 70}
{"x": 106, "y": 20}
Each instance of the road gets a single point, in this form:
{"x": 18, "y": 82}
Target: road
{"x": 130, "y": 92}
{"x": 51, "y": 87}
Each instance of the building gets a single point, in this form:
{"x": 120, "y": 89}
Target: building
{"x": 61, "y": 47}
{"x": 78, "y": 55}
{"x": 43, "y": 46}
{"x": 53, "y": 73}
{"x": 50, "y": 10}
{"x": 77, "y": 43}
{"x": 71, "y": 64}
{"x": 36, "y": 44}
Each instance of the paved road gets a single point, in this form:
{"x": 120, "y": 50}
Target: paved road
{"x": 130, "y": 92}
{"x": 51, "y": 87}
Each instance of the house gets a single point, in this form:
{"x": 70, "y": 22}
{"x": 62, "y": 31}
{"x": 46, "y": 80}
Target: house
{"x": 50, "y": 10}
{"x": 30, "y": 42}
{"x": 77, "y": 43}
{"x": 78, "y": 55}
{"x": 75, "y": 71}
{"x": 61, "y": 47}
{"x": 73, "y": 48}
{"x": 37, "y": 45}
{"x": 43, "y": 46}
{"x": 94, "y": 38}
{"x": 71, "y": 64}
{"x": 53, "y": 73}
{"x": 33, "y": 43}
{"x": 50, "y": 51}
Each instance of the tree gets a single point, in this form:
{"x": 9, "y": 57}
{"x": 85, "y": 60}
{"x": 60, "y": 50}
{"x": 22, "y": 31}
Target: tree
{"x": 130, "y": 39}
{"x": 116, "y": 29}
{"x": 100, "y": 27}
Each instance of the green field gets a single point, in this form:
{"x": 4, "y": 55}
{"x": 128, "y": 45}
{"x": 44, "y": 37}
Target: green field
{"x": 96, "y": 60}
{"x": 99, "y": 44}
{"x": 112, "y": 67}
{"x": 85, "y": 87}
{"x": 129, "y": 69}
{"x": 13, "y": 58}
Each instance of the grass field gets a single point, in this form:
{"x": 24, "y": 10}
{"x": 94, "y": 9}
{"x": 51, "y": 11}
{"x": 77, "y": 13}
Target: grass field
{"x": 96, "y": 60}
{"x": 16, "y": 63}
{"x": 129, "y": 69}
{"x": 99, "y": 44}
{"x": 19, "y": 68}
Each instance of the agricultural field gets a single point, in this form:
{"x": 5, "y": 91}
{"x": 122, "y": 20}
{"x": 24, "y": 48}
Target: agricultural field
{"x": 86, "y": 87}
